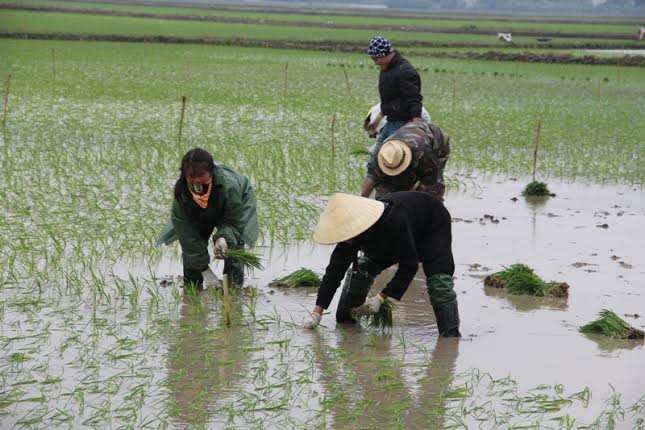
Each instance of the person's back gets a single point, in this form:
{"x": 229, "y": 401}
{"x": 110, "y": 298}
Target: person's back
{"x": 419, "y": 167}
{"x": 400, "y": 90}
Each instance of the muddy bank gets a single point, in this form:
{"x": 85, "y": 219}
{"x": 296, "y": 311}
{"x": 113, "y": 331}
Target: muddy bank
{"x": 472, "y": 29}
{"x": 627, "y": 60}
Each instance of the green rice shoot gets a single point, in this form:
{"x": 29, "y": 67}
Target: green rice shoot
{"x": 246, "y": 258}
{"x": 381, "y": 320}
{"x": 359, "y": 150}
{"x": 302, "y": 277}
{"x": 536, "y": 189}
{"x": 519, "y": 279}
{"x": 610, "y": 324}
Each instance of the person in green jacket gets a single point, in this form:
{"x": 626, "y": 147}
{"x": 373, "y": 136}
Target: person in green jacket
{"x": 210, "y": 200}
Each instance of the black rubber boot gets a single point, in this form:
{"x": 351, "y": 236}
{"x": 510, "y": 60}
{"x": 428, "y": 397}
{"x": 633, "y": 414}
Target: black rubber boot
{"x": 447, "y": 317}
{"x": 343, "y": 312}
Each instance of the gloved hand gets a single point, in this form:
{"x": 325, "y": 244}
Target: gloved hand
{"x": 373, "y": 304}
{"x": 210, "y": 280}
{"x": 311, "y": 321}
{"x": 220, "y": 248}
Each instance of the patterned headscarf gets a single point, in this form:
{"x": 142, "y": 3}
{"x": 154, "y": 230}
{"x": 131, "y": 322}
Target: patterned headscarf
{"x": 379, "y": 47}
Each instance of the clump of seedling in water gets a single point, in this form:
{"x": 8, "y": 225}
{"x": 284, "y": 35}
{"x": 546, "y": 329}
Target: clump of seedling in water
{"x": 610, "y": 324}
{"x": 302, "y": 277}
{"x": 246, "y": 258}
{"x": 521, "y": 279}
{"x": 381, "y": 320}
{"x": 536, "y": 188}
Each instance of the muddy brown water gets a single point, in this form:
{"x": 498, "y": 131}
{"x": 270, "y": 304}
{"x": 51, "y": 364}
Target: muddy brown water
{"x": 587, "y": 236}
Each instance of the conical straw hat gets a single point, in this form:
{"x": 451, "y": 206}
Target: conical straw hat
{"x": 394, "y": 157}
{"x": 346, "y": 216}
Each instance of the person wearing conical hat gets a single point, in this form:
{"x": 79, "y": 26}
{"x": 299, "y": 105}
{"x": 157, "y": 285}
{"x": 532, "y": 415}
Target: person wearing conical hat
{"x": 412, "y": 159}
{"x": 404, "y": 228}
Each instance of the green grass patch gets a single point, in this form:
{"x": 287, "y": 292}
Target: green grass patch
{"x": 77, "y": 23}
{"x": 419, "y": 19}
{"x": 610, "y": 324}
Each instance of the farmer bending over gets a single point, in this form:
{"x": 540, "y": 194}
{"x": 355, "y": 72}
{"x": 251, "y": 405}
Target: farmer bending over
{"x": 210, "y": 199}
{"x": 413, "y": 158}
{"x": 404, "y": 228}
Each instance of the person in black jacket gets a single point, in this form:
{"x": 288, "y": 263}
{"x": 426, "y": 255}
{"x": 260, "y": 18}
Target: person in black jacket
{"x": 399, "y": 86}
{"x": 404, "y": 228}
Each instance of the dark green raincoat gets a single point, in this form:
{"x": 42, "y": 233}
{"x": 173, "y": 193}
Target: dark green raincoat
{"x": 231, "y": 214}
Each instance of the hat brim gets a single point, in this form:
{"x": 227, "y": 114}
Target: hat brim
{"x": 346, "y": 216}
{"x": 401, "y": 167}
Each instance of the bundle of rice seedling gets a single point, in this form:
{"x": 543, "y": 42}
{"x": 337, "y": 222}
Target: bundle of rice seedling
{"x": 610, "y": 324}
{"x": 520, "y": 279}
{"x": 536, "y": 188}
{"x": 302, "y": 277}
{"x": 381, "y": 320}
{"x": 246, "y": 258}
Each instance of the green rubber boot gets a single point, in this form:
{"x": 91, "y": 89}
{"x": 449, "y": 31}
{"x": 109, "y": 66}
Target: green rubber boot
{"x": 444, "y": 303}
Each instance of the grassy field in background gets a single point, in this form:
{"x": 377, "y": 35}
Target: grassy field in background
{"x": 428, "y": 21}
{"x": 120, "y": 104}
{"x": 47, "y": 22}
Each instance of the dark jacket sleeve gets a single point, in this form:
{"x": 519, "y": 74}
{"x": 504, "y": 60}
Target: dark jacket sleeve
{"x": 194, "y": 248}
{"x": 406, "y": 254}
{"x": 238, "y": 223}
{"x": 409, "y": 81}
{"x": 339, "y": 262}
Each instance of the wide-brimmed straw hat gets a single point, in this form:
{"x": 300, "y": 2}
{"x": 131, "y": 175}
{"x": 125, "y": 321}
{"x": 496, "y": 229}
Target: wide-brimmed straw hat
{"x": 346, "y": 216}
{"x": 394, "y": 157}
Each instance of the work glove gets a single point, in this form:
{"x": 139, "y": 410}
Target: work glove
{"x": 220, "y": 248}
{"x": 373, "y": 304}
{"x": 311, "y": 321}
{"x": 210, "y": 280}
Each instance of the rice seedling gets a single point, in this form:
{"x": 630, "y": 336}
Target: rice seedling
{"x": 382, "y": 320}
{"x": 359, "y": 150}
{"x": 521, "y": 279}
{"x": 610, "y": 324}
{"x": 536, "y": 189}
{"x": 249, "y": 259}
{"x": 302, "y": 277}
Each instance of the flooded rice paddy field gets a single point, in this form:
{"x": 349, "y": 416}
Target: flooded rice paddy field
{"x": 77, "y": 356}
{"x": 95, "y": 330}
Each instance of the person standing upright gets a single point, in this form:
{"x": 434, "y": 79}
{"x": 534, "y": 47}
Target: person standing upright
{"x": 400, "y": 92}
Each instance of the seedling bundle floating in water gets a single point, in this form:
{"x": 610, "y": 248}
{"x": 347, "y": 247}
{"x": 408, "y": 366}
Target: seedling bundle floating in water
{"x": 520, "y": 279}
{"x": 381, "y": 320}
{"x": 536, "y": 189}
{"x": 302, "y": 277}
{"x": 610, "y": 324}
